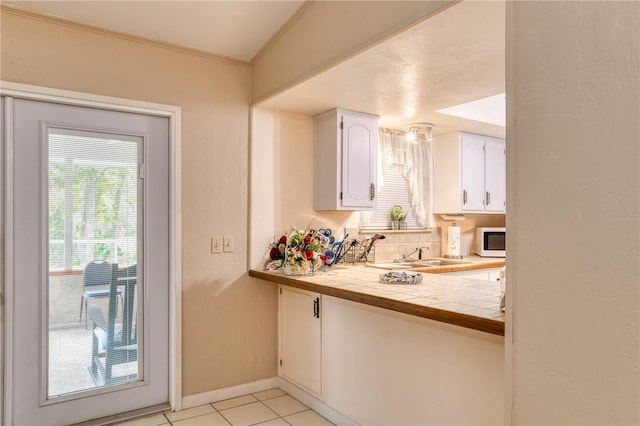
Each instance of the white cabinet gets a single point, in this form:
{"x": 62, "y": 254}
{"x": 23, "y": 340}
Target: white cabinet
{"x": 348, "y": 363}
{"x": 469, "y": 174}
{"x": 495, "y": 175}
{"x": 300, "y": 338}
{"x": 346, "y": 145}
{"x": 386, "y": 368}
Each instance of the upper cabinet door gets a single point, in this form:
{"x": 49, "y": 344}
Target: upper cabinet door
{"x": 469, "y": 174}
{"x": 346, "y": 145}
{"x": 495, "y": 173}
{"x": 472, "y": 173}
{"x": 359, "y": 144}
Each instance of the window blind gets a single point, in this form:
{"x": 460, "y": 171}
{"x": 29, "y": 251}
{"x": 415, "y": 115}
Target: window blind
{"x": 394, "y": 191}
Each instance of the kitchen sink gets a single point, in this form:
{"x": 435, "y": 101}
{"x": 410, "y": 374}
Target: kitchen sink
{"x": 414, "y": 263}
{"x": 388, "y": 265}
{"x": 417, "y": 263}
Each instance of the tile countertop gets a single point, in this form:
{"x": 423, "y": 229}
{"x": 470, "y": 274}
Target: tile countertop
{"x": 454, "y": 300}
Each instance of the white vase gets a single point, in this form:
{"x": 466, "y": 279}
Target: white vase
{"x": 303, "y": 268}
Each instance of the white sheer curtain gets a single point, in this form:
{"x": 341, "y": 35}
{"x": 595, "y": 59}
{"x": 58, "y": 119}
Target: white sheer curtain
{"x": 416, "y": 162}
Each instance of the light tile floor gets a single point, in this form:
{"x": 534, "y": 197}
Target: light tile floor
{"x": 272, "y": 407}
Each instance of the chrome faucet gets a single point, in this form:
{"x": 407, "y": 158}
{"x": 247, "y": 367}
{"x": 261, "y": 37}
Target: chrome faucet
{"x": 418, "y": 250}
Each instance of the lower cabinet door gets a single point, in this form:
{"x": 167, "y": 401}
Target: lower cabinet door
{"x": 300, "y": 336}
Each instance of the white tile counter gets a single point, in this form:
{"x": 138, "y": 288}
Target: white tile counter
{"x": 459, "y": 301}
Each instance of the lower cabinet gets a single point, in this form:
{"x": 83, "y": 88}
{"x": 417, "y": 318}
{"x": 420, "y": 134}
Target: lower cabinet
{"x": 300, "y": 345}
{"x": 376, "y": 366}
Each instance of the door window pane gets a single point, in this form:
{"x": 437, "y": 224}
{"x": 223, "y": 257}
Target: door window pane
{"x": 93, "y": 251}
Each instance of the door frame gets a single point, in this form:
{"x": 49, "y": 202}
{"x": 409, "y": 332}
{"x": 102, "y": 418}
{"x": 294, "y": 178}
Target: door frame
{"x": 174, "y": 114}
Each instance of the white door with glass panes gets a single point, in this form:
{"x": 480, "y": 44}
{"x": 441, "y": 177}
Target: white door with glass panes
{"x": 88, "y": 232}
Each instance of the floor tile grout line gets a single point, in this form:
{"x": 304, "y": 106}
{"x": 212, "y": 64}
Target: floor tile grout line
{"x": 267, "y": 407}
{"x": 306, "y": 408}
{"x": 235, "y": 406}
{"x": 245, "y": 404}
{"x": 269, "y": 399}
{"x": 253, "y": 424}
{"x": 225, "y": 419}
{"x": 296, "y": 412}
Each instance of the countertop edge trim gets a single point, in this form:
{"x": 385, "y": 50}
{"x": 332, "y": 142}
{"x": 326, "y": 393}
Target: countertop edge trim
{"x": 455, "y": 318}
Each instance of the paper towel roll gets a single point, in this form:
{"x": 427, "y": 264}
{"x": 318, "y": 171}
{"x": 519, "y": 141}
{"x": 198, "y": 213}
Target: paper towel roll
{"x": 453, "y": 244}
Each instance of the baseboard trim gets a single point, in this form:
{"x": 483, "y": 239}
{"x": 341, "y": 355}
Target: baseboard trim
{"x": 230, "y": 392}
{"x": 314, "y": 403}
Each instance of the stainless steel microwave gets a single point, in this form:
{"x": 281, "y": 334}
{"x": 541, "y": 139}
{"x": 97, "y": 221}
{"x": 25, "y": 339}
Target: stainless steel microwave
{"x": 490, "y": 242}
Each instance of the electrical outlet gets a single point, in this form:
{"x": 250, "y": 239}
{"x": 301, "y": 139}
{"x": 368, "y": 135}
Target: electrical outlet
{"x": 216, "y": 244}
{"x": 228, "y": 244}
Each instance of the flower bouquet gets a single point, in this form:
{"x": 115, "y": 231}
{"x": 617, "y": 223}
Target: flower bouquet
{"x": 299, "y": 252}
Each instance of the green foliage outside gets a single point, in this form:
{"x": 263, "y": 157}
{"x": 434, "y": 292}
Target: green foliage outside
{"x": 103, "y": 215}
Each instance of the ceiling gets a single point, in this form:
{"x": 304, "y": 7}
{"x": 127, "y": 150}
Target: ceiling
{"x": 449, "y": 59}
{"x": 454, "y": 57}
{"x": 235, "y": 29}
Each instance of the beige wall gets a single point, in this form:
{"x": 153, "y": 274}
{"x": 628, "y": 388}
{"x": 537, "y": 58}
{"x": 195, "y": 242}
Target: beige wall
{"x": 467, "y": 230}
{"x": 573, "y": 216}
{"x": 573, "y": 196}
{"x": 282, "y": 179}
{"x": 229, "y": 321}
{"x": 327, "y": 32}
